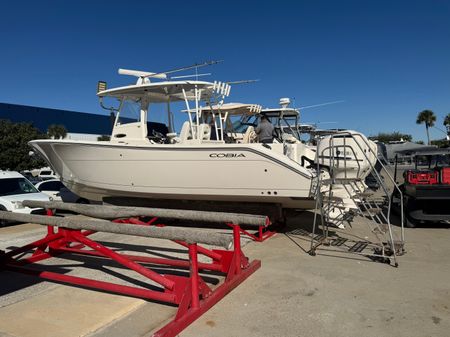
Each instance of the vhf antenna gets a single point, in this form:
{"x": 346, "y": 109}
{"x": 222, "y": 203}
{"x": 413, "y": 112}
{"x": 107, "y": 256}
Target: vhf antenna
{"x": 192, "y": 75}
{"x": 194, "y": 66}
{"x": 242, "y": 81}
{"x": 321, "y": 104}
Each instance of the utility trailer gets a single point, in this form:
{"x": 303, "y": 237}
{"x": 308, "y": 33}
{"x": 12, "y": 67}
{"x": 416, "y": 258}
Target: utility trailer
{"x": 426, "y": 188}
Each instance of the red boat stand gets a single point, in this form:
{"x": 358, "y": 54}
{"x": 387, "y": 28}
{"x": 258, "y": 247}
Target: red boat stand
{"x": 191, "y": 293}
{"x": 261, "y": 235}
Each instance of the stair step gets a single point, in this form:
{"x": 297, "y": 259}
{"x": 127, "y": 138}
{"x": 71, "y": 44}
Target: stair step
{"x": 358, "y": 247}
{"x": 372, "y": 211}
{"x": 365, "y": 194}
{"x": 377, "y": 201}
{"x": 332, "y": 198}
{"x": 340, "y": 181}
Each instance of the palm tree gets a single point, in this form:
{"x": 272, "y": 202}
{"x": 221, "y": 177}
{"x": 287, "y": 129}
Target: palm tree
{"x": 428, "y": 117}
{"x": 447, "y": 123}
{"x": 57, "y": 131}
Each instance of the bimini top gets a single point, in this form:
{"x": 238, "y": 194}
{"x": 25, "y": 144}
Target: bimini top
{"x": 232, "y": 109}
{"x": 167, "y": 91}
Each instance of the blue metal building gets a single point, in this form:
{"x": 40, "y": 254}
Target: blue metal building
{"x": 74, "y": 122}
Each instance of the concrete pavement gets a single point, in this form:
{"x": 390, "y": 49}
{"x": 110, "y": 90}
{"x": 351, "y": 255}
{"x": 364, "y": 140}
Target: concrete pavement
{"x": 293, "y": 294}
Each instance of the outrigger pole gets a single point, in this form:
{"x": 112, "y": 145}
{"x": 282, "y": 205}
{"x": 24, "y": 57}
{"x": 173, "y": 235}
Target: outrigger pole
{"x": 242, "y": 81}
{"x": 194, "y": 66}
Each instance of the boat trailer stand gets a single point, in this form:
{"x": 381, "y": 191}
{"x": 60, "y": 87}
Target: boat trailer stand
{"x": 261, "y": 235}
{"x": 109, "y": 212}
{"x": 191, "y": 294}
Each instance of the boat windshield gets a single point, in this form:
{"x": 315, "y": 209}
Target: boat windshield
{"x": 130, "y": 111}
{"x": 282, "y": 124}
{"x": 289, "y": 125}
{"x": 241, "y": 125}
{"x": 12, "y": 186}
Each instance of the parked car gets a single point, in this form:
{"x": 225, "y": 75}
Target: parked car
{"x": 14, "y": 189}
{"x": 46, "y": 174}
{"x": 58, "y": 192}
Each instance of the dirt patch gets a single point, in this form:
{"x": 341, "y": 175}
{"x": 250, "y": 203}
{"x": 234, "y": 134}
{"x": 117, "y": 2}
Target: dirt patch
{"x": 211, "y": 323}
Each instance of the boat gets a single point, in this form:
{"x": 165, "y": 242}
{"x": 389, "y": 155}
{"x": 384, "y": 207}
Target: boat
{"x": 346, "y": 152}
{"x": 346, "y": 155}
{"x": 191, "y": 165}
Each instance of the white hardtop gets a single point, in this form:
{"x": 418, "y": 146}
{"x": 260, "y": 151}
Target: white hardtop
{"x": 286, "y": 112}
{"x": 232, "y": 108}
{"x": 163, "y": 92}
{"x": 145, "y": 92}
{"x": 283, "y": 111}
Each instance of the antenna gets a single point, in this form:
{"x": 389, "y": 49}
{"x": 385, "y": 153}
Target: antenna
{"x": 242, "y": 81}
{"x": 434, "y": 126}
{"x": 321, "y": 104}
{"x": 318, "y": 122}
{"x": 193, "y": 75}
{"x": 194, "y": 66}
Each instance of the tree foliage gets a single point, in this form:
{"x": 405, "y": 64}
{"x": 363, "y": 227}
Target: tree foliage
{"x": 57, "y": 131}
{"x": 447, "y": 123}
{"x": 442, "y": 143}
{"x": 447, "y": 120}
{"x": 14, "y": 149}
{"x": 428, "y": 118}
{"x": 386, "y": 137}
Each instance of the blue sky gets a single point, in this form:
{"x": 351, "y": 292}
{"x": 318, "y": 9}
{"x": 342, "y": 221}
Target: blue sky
{"x": 387, "y": 59}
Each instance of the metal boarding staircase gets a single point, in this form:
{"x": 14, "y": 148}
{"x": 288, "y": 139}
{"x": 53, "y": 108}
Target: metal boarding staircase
{"x": 381, "y": 241}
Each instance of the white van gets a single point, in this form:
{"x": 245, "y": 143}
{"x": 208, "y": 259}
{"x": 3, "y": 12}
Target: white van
{"x": 14, "y": 189}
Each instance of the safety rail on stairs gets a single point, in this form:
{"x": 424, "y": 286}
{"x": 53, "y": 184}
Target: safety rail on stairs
{"x": 369, "y": 209}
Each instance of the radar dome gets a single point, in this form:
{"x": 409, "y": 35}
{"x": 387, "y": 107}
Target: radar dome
{"x": 284, "y": 102}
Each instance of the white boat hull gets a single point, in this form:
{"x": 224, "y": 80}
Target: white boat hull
{"x": 213, "y": 172}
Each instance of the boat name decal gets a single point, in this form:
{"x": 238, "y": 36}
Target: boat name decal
{"x": 226, "y": 155}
